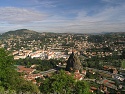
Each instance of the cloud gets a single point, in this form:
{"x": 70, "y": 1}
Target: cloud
{"x": 107, "y": 14}
{"x": 43, "y": 3}
{"x": 109, "y": 19}
{"x": 20, "y": 15}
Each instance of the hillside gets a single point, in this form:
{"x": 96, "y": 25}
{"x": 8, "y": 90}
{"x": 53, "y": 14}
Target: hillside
{"x": 19, "y": 32}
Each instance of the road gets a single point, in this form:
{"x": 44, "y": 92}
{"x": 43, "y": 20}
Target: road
{"x": 48, "y": 72}
{"x": 90, "y": 79}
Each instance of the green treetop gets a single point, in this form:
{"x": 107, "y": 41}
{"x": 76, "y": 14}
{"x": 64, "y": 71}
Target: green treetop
{"x": 9, "y": 78}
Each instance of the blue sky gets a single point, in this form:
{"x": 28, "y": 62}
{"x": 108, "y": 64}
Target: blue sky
{"x": 77, "y": 16}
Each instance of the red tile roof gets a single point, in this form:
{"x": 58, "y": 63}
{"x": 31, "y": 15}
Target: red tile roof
{"x": 25, "y": 70}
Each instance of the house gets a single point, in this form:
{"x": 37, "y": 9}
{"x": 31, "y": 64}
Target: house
{"x": 84, "y": 72}
{"x": 25, "y": 70}
{"x": 33, "y": 66}
{"x": 115, "y": 71}
{"x": 68, "y": 73}
{"x": 32, "y": 77}
{"x": 77, "y": 75}
{"x": 109, "y": 84}
{"x": 92, "y": 89}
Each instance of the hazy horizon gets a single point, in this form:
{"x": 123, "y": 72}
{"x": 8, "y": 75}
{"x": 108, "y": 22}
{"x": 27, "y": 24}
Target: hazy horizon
{"x": 62, "y": 16}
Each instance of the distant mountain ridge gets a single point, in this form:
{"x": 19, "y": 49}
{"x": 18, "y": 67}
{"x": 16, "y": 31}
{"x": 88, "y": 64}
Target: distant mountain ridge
{"x": 27, "y": 31}
{"x": 20, "y": 31}
{"x": 37, "y": 35}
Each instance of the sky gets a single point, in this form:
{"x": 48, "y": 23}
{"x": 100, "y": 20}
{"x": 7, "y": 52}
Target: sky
{"x": 63, "y": 16}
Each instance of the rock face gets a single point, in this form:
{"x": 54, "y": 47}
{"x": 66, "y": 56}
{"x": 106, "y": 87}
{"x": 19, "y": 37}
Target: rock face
{"x": 73, "y": 63}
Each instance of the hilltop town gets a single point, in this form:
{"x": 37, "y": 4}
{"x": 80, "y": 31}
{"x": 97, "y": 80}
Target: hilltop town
{"x": 100, "y": 56}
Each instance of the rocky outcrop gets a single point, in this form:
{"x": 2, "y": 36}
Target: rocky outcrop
{"x": 73, "y": 63}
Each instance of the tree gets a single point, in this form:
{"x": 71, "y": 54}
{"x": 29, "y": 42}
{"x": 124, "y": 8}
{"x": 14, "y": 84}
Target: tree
{"x": 59, "y": 83}
{"x": 2, "y": 90}
{"x": 27, "y": 86}
{"x": 8, "y": 74}
{"x": 123, "y": 54}
{"x": 86, "y": 88}
{"x": 9, "y": 78}
{"x": 63, "y": 83}
{"x": 123, "y": 64}
{"x": 79, "y": 87}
